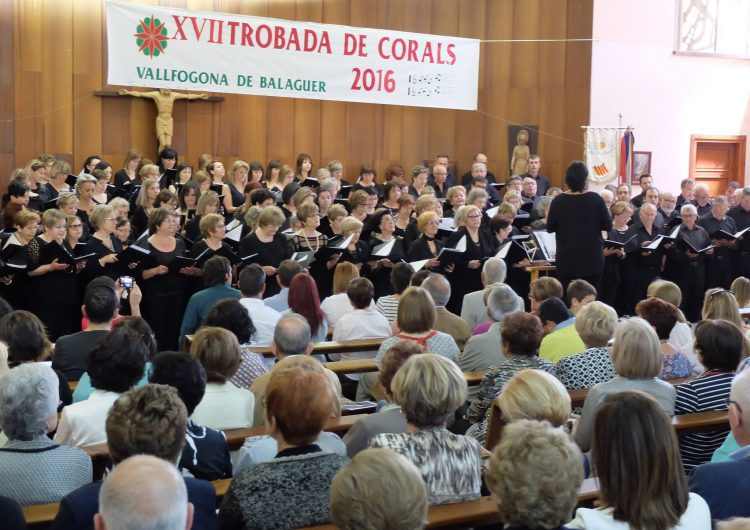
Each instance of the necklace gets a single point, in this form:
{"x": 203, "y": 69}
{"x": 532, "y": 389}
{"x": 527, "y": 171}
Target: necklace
{"x": 307, "y": 241}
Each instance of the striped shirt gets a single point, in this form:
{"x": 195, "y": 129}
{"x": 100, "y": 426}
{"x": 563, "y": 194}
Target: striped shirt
{"x": 708, "y": 391}
{"x": 388, "y": 306}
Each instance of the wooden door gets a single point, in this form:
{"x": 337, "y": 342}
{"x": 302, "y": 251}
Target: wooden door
{"x": 717, "y": 160}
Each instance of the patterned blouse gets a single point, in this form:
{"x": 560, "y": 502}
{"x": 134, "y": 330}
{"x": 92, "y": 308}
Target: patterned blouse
{"x": 491, "y": 386}
{"x": 586, "y": 369}
{"x": 450, "y": 464}
{"x": 252, "y": 366}
{"x": 674, "y": 366}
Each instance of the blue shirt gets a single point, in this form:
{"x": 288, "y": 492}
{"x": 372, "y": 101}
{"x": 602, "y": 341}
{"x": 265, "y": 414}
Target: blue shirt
{"x": 201, "y": 303}
{"x": 280, "y": 301}
{"x": 565, "y": 323}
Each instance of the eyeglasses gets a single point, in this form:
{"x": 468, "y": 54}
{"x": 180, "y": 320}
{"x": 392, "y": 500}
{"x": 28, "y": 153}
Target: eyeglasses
{"x": 475, "y": 216}
{"x": 76, "y": 226}
{"x": 732, "y": 402}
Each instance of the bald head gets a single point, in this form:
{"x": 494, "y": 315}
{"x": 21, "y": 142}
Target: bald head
{"x": 146, "y": 493}
{"x": 291, "y": 336}
{"x": 438, "y": 287}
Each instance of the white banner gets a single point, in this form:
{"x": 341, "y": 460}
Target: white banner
{"x": 153, "y": 46}
{"x": 602, "y": 146}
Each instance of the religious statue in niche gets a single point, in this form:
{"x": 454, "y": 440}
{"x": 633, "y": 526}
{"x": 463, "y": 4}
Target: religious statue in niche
{"x": 521, "y": 145}
{"x": 164, "y": 99}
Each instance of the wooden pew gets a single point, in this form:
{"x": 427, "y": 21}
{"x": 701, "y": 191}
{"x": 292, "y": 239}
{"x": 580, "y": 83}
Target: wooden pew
{"x": 683, "y": 424}
{"x": 578, "y": 396}
{"x": 319, "y": 348}
{"x": 99, "y": 453}
{"x": 359, "y": 366}
{"x": 482, "y": 511}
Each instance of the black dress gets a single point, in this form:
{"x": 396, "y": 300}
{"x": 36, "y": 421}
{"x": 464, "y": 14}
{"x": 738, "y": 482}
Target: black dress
{"x": 122, "y": 180}
{"x": 54, "y": 296}
{"x": 690, "y": 273}
{"x": 468, "y": 280}
{"x": 360, "y": 254}
{"x": 192, "y": 228}
{"x": 237, "y": 197}
{"x": 617, "y": 278}
{"x": 271, "y": 254}
{"x": 578, "y": 221}
{"x": 381, "y": 277}
{"x": 420, "y": 250}
{"x": 318, "y": 269}
{"x": 643, "y": 269}
{"x": 94, "y": 269}
{"x": 139, "y": 221}
{"x": 165, "y": 297}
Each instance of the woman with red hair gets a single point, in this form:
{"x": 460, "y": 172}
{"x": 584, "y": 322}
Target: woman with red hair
{"x": 305, "y": 301}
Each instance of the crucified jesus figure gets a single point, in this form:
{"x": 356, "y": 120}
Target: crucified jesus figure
{"x": 164, "y": 99}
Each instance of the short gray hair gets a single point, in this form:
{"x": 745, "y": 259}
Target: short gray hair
{"x": 144, "y": 493}
{"x": 595, "y": 324}
{"x": 438, "y": 287}
{"x": 292, "y": 335}
{"x": 29, "y": 395}
{"x": 328, "y": 184}
{"x": 740, "y": 393}
{"x": 502, "y": 302}
{"x": 688, "y": 208}
{"x": 429, "y": 388}
{"x": 494, "y": 270}
{"x": 746, "y": 191}
{"x": 720, "y": 199}
{"x": 379, "y": 489}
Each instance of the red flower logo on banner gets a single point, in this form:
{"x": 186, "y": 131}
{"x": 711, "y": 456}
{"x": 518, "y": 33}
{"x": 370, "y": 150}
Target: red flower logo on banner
{"x": 151, "y": 37}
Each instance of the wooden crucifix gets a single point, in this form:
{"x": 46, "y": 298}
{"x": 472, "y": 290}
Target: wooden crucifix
{"x": 164, "y": 99}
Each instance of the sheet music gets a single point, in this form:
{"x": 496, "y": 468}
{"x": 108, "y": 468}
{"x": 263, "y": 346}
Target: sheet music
{"x": 447, "y": 223}
{"x": 676, "y": 231}
{"x": 547, "y": 244}
{"x": 492, "y": 212}
{"x": 385, "y": 249}
{"x": 431, "y": 85}
{"x": 461, "y": 245}
{"x": 503, "y": 252}
{"x": 234, "y": 231}
{"x": 418, "y": 265}
{"x": 655, "y": 243}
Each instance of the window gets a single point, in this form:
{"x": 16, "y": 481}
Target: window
{"x": 713, "y": 27}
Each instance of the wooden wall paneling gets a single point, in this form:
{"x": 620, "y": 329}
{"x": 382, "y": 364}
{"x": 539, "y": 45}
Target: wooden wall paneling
{"x": 143, "y": 127}
{"x": 7, "y": 88}
{"x": 87, "y": 78}
{"x": 307, "y": 112}
{"x": 442, "y": 122}
{"x": 470, "y": 125}
{"x": 58, "y": 61}
{"x": 390, "y": 15}
{"x": 227, "y": 128}
{"x": 498, "y": 25}
{"x": 577, "y": 77}
{"x": 180, "y": 117}
{"x": 199, "y": 138}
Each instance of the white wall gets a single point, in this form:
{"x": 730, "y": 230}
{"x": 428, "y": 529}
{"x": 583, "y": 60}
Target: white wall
{"x": 666, "y": 97}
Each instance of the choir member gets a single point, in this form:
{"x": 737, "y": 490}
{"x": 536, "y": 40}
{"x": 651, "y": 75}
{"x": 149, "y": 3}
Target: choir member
{"x": 419, "y": 176}
{"x": 234, "y": 188}
{"x": 391, "y": 195}
{"x": 127, "y": 177}
{"x": 719, "y": 269}
{"x": 616, "y": 287}
{"x": 383, "y": 231}
{"x": 357, "y": 251}
{"x": 404, "y": 216}
{"x": 426, "y": 246}
{"x": 53, "y": 284}
{"x": 208, "y": 203}
{"x": 270, "y": 246}
{"x": 164, "y": 290}
{"x": 100, "y": 196}
{"x": 456, "y": 197}
{"x": 58, "y": 175}
{"x": 689, "y": 268}
{"x": 216, "y": 172}
{"x": 104, "y": 243}
{"x": 304, "y": 167}
{"x": 144, "y": 205}
{"x": 644, "y": 265}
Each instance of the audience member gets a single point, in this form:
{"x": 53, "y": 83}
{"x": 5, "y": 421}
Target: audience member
{"x": 595, "y": 324}
{"x": 389, "y": 418}
{"x": 637, "y": 359}
{"x": 150, "y": 420}
{"x": 252, "y": 285}
{"x": 291, "y": 337}
{"x": 534, "y": 475}
{"x": 205, "y": 455}
{"x": 337, "y": 305}
{"x": 100, "y": 306}
{"x": 519, "y": 339}
{"x": 363, "y": 321}
{"x": 641, "y": 482}
{"x": 429, "y": 388}
{"x": 440, "y": 290}
{"x": 287, "y": 270}
{"x": 298, "y": 404}
{"x": 379, "y": 490}
{"x": 26, "y": 338}
{"x": 115, "y": 364}
{"x": 34, "y": 469}
{"x": 232, "y": 315}
{"x": 224, "y": 406}
{"x": 565, "y": 340}
{"x": 543, "y": 288}
{"x": 400, "y": 277}
{"x": 304, "y": 301}
{"x": 484, "y": 350}
{"x": 473, "y": 309}
{"x": 724, "y": 484}
{"x": 144, "y": 492}
{"x": 719, "y": 347}
{"x": 663, "y": 316}
{"x": 217, "y": 278}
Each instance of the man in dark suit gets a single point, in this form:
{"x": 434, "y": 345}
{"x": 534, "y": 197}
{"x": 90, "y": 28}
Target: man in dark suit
{"x": 481, "y": 158}
{"x": 725, "y": 485}
{"x": 150, "y": 420}
{"x": 442, "y": 160}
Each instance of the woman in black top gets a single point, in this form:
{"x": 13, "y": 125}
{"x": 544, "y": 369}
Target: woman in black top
{"x": 357, "y": 252}
{"x": 382, "y": 230}
{"x": 58, "y": 175}
{"x": 479, "y": 245}
{"x": 645, "y": 264}
{"x": 127, "y": 177}
{"x": 578, "y": 218}
{"x": 165, "y": 291}
{"x": 617, "y": 278}
{"x": 53, "y": 284}
{"x": 270, "y": 246}
{"x": 426, "y": 246}
{"x": 234, "y": 189}
{"x": 207, "y": 203}
{"x": 105, "y": 245}
{"x": 144, "y": 205}
{"x": 516, "y": 276}
{"x": 85, "y": 187}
